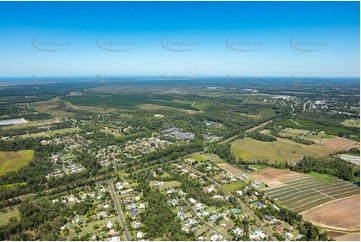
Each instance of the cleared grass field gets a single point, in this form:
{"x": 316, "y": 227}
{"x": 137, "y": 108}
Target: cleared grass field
{"x": 200, "y": 105}
{"x": 4, "y": 217}
{"x": 158, "y": 107}
{"x": 199, "y": 157}
{"x": 13, "y": 161}
{"x": 208, "y": 156}
{"x": 305, "y": 134}
{"x": 280, "y": 150}
{"x": 234, "y": 186}
{"x": 351, "y": 123}
{"x": 52, "y": 107}
{"x": 166, "y": 184}
{"x": 50, "y": 133}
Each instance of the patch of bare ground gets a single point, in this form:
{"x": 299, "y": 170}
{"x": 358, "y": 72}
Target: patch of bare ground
{"x": 341, "y": 236}
{"x": 342, "y": 214}
{"x": 276, "y": 177}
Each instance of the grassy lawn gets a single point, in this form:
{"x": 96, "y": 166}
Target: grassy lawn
{"x": 322, "y": 176}
{"x": 351, "y": 123}
{"x": 293, "y": 132}
{"x": 200, "y": 105}
{"x": 51, "y": 133}
{"x": 166, "y": 185}
{"x": 207, "y": 156}
{"x": 4, "y": 217}
{"x": 213, "y": 158}
{"x": 13, "y": 161}
{"x": 234, "y": 186}
{"x": 198, "y": 157}
{"x": 280, "y": 150}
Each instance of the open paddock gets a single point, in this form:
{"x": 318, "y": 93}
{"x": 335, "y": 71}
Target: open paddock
{"x": 50, "y": 133}
{"x": 234, "y": 171}
{"x": 13, "y": 161}
{"x": 281, "y": 150}
{"x": 351, "y": 123}
{"x": 343, "y": 214}
{"x": 339, "y": 143}
{"x": 343, "y": 236}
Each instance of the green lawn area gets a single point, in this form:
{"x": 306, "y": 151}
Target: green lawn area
{"x": 213, "y": 158}
{"x": 200, "y": 105}
{"x": 51, "y": 133}
{"x": 280, "y": 150}
{"x": 267, "y": 113}
{"x": 234, "y": 186}
{"x": 166, "y": 185}
{"x": 293, "y": 132}
{"x": 351, "y": 123}
{"x": 13, "y": 161}
{"x": 322, "y": 176}
{"x": 198, "y": 157}
{"x": 4, "y": 217}
{"x": 207, "y": 156}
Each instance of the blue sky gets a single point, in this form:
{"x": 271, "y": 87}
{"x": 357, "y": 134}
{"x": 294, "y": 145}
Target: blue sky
{"x": 179, "y": 38}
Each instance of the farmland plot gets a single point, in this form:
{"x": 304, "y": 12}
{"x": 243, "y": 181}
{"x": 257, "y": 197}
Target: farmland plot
{"x": 308, "y": 192}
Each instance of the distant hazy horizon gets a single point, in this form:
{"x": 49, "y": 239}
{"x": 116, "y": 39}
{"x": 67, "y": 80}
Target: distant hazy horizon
{"x": 308, "y": 39}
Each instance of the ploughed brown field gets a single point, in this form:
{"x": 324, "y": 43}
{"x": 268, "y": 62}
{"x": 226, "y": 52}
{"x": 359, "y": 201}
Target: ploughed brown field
{"x": 340, "y": 143}
{"x": 339, "y": 236}
{"x": 276, "y": 177}
{"x": 329, "y": 146}
{"x": 343, "y": 214}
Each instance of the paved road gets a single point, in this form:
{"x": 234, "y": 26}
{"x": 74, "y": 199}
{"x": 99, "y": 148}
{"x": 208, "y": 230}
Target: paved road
{"x": 200, "y": 219}
{"x": 120, "y": 212}
{"x": 243, "y": 206}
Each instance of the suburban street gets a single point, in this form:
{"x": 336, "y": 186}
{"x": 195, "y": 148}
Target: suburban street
{"x": 119, "y": 210}
{"x": 243, "y": 206}
{"x": 200, "y": 219}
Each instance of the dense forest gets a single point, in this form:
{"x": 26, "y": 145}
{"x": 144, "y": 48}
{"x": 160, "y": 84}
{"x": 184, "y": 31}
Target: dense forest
{"x": 331, "y": 165}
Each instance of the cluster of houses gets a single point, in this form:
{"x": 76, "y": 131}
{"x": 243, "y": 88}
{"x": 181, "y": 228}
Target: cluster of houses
{"x": 132, "y": 149}
{"x": 133, "y": 203}
{"x": 101, "y": 198}
{"x": 69, "y": 167}
{"x": 145, "y": 145}
{"x": 64, "y": 161}
{"x": 71, "y": 141}
{"x": 226, "y": 178}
